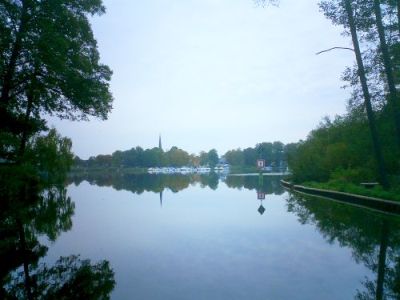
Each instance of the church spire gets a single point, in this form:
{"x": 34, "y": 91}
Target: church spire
{"x": 159, "y": 142}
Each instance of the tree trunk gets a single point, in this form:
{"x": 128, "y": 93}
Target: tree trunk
{"x": 367, "y": 98}
{"x": 398, "y": 15}
{"x": 382, "y": 261}
{"x": 25, "y": 134}
{"x": 10, "y": 70}
{"x": 23, "y": 249}
{"x": 393, "y": 99}
{"x": 30, "y": 95}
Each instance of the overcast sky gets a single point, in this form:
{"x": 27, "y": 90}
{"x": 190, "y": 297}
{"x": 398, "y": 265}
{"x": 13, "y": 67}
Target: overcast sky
{"x": 217, "y": 74}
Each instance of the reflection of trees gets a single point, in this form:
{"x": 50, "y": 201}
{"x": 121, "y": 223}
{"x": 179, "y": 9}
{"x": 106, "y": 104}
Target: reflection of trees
{"x": 268, "y": 185}
{"x": 69, "y": 278}
{"x": 139, "y": 183}
{"x": 373, "y": 238}
{"x": 30, "y": 207}
{"x": 211, "y": 180}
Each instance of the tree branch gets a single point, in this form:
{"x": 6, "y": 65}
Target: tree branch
{"x": 334, "y": 48}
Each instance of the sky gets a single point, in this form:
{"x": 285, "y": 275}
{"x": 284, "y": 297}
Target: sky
{"x": 205, "y": 74}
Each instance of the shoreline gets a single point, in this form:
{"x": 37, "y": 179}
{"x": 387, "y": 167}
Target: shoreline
{"x": 383, "y": 205}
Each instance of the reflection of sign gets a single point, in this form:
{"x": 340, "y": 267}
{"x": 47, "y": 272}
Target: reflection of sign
{"x": 260, "y": 163}
{"x": 261, "y": 209}
{"x": 260, "y": 195}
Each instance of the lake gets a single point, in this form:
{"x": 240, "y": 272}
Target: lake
{"x": 230, "y": 237}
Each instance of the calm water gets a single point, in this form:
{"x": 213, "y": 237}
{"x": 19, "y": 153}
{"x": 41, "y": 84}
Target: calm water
{"x": 179, "y": 237}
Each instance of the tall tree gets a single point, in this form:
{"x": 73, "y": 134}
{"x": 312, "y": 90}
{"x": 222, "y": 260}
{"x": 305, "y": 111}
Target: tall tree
{"x": 213, "y": 158}
{"x": 367, "y": 97}
{"x": 393, "y": 95}
{"x": 49, "y": 64}
{"x": 341, "y": 13}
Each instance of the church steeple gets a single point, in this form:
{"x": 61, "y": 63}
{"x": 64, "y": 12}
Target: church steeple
{"x": 159, "y": 142}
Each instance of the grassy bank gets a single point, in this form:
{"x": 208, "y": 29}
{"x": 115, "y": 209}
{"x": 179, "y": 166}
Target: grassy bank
{"x": 242, "y": 170}
{"x": 377, "y": 191}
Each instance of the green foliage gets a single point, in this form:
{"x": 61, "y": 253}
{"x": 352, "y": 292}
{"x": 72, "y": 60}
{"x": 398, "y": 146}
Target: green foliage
{"x": 55, "y": 43}
{"x": 341, "y": 149}
{"x": 212, "y": 157}
{"x": 31, "y": 207}
{"x": 269, "y": 185}
{"x": 175, "y": 157}
{"x": 352, "y": 188}
{"x": 275, "y": 155}
{"x": 72, "y": 278}
{"x": 243, "y": 169}
{"x": 138, "y": 182}
{"x": 51, "y": 155}
{"x": 209, "y": 158}
{"x": 49, "y": 65}
{"x": 234, "y": 157}
{"x": 155, "y": 157}
{"x": 69, "y": 278}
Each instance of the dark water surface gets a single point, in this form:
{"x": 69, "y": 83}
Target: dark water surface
{"x": 201, "y": 237}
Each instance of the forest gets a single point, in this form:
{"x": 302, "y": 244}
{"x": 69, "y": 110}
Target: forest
{"x": 362, "y": 145}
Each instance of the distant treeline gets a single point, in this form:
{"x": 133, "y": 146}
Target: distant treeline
{"x": 145, "y": 158}
{"x": 275, "y": 154}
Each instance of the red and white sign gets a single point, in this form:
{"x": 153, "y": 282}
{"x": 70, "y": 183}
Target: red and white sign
{"x": 260, "y": 163}
{"x": 260, "y": 195}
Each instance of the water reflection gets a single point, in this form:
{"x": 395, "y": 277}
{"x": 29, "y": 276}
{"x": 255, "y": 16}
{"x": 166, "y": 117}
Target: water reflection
{"x": 216, "y": 224}
{"x": 373, "y": 238}
{"x": 32, "y": 206}
{"x": 216, "y": 232}
{"x": 157, "y": 183}
{"x": 262, "y": 184}
{"x": 139, "y": 183}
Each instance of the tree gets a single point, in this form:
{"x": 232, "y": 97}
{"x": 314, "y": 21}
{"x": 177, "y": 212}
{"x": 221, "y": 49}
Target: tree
{"x": 331, "y": 152}
{"x": 50, "y": 154}
{"x": 250, "y": 156}
{"x": 203, "y": 158}
{"x": 341, "y": 12}
{"x": 264, "y": 151}
{"x": 234, "y": 157}
{"x": 367, "y": 97}
{"x": 177, "y": 157}
{"x": 49, "y": 64}
{"x": 272, "y": 152}
{"x": 212, "y": 157}
{"x": 393, "y": 95}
